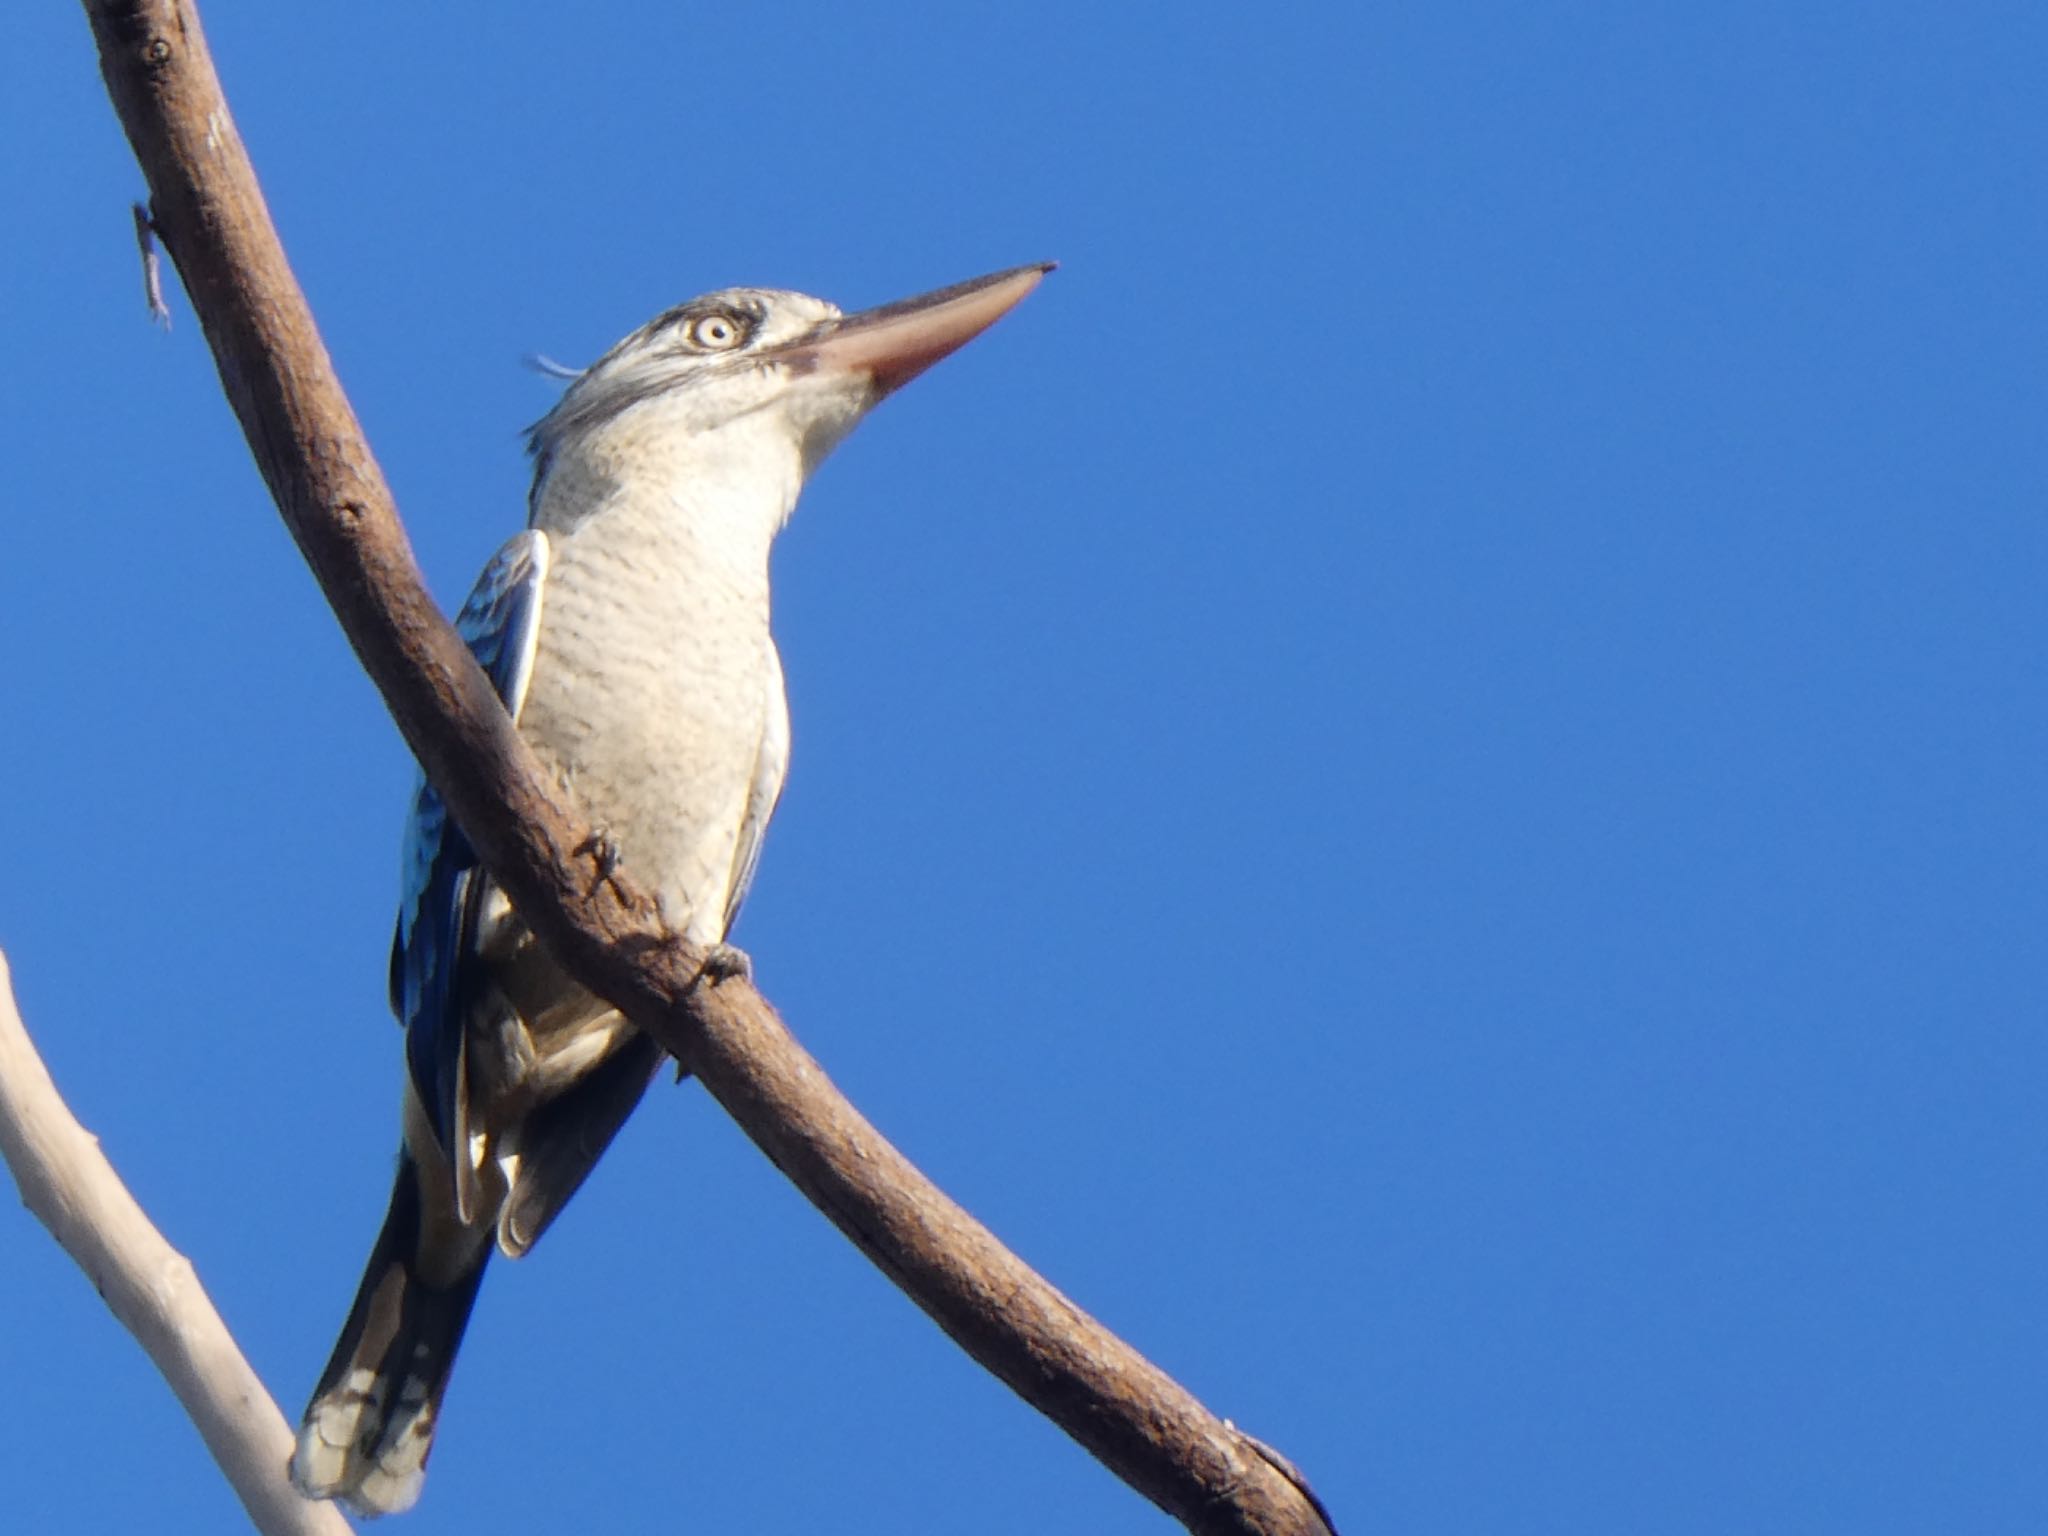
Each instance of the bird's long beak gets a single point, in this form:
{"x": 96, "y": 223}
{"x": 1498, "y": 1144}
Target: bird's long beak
{"x": 894, "y": 343}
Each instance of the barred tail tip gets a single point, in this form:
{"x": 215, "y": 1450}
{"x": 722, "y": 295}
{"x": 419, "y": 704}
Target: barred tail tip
{"x": 349, "y": 1451}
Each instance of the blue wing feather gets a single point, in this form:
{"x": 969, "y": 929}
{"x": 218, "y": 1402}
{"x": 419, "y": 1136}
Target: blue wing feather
{"x": 440, "y": 882}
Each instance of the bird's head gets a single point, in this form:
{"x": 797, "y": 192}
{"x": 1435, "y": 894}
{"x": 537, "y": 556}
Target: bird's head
{"x": 781, "y": 361}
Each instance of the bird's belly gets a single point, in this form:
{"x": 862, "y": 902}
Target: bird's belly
{"x": 649, "y": 700}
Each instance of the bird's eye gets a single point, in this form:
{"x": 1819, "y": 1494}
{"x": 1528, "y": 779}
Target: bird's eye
{"x": 716, "y": 332}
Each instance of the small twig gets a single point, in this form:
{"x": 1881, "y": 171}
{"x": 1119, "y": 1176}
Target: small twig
{"x": 152, "y": 268}
{"x": 542, "y": 364}
{"x": 148, "y": 1285}
{"x": 1287, "y": 1469}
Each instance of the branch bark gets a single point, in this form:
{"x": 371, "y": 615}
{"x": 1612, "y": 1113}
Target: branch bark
{"x": 153, "y": 1289}
{"x": 208, "y": 210}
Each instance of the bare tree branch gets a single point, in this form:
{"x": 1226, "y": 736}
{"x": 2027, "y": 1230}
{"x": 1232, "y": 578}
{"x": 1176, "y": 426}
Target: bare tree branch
{"x": 206, "y": 207}
{"x": 152, "y": 1288}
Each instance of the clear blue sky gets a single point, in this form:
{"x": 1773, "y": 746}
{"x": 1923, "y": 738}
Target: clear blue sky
{"x": 1422, "y": 780}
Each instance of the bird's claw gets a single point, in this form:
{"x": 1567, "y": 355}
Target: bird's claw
{"x": 726, "y": 962}
{"x": 722, "y": 963}
{"x": 604, "y": 856}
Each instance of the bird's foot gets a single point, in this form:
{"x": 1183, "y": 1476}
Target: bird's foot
{"x": 726, "y": 962}
{"x": 604, "y": 857}
{"x": 722, "y": 963}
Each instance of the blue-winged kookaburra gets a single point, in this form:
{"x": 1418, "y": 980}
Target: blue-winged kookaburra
{"x": 626, "y": 630}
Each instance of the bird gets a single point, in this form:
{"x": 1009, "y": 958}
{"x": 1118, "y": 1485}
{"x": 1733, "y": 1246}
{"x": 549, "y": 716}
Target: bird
{"x": 626, "y": 631}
